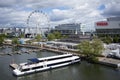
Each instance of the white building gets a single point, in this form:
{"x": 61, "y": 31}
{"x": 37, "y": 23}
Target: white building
{"x": 68, "y": 29}
{"x": 110, "y": 27}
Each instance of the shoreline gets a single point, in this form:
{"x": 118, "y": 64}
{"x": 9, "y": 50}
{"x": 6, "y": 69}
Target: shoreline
{"x": 101, "y": 60}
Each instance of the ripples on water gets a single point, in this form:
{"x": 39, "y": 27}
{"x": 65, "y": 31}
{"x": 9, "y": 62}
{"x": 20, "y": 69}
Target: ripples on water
{"x": 83, "y": 71}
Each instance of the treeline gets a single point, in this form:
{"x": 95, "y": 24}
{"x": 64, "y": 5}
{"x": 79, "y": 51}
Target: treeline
{"x": 55, "y": 35}
{"x": 109, "y": 39}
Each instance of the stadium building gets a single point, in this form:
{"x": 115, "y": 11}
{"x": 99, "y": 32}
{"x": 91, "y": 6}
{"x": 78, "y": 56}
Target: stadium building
{"x": 110, "y": 27}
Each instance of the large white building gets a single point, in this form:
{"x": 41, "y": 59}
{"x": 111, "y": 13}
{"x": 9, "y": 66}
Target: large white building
{"x": 68, "y": 29}
{"x": 110, "y": 27}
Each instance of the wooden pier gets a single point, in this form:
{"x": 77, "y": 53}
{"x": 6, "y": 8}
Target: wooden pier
{"x": 14, "y": 66}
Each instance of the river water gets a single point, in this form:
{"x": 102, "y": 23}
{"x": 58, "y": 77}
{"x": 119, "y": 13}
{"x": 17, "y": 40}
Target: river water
{"x": 79, "y": 71}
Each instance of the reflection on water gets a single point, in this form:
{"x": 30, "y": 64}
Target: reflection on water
{"x": 80, "y": 71}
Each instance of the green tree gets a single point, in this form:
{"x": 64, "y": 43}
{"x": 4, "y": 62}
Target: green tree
{"x": 85, "y": 48}
{"x": 15, "y": 41}
{"x": 2, "y": 37}
{"x": 116, "y": 39}
{"x": 57, "y": 35}
{"x": 51, "y": 36}
{"x": 95, "y": 47}
{"x": 107, "y": 39}
{"x": 38, "y": 37}
{"x": 1, "y": 40}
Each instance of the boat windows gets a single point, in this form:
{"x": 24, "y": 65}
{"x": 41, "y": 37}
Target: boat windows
{"x": 59, "y": 57}
{"x": 37, "y": 67}
{"x": 25, "y": 69}
{"x": 52, "y": 64}
{"x": 59, "y": 63}
{"x": 35, "y": 60}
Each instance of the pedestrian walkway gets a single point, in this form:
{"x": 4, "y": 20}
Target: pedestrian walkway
{"x": 109, "y": 61}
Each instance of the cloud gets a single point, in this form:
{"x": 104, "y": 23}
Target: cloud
{"x": 7, "y": 3}
{"x": 58, "y": 15}
{"x": 112, "y": 9}
{"x": 80, "y": 11}
{"x": 11, "y": 16}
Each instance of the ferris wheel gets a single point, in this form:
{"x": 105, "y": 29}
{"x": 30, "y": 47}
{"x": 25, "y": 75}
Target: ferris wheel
{"x": 37, "y": 23}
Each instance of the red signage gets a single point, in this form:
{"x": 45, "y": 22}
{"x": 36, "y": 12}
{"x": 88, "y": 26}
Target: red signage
{"x": 103, "y": 23}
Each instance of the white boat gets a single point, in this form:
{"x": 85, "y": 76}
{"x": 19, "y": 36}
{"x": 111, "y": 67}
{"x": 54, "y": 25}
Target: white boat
{"x": 41, "y": 64}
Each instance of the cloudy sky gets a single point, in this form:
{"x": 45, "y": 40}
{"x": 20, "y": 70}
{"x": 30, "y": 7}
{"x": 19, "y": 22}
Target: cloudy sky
{"x": 16, "y": 12}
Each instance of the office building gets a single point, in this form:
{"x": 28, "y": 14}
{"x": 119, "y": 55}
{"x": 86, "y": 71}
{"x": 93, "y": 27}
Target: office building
{"x": 68, "y": 29}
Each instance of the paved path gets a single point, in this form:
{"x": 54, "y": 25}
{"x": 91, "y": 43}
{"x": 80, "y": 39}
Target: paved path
{"x": 109, "y": 61}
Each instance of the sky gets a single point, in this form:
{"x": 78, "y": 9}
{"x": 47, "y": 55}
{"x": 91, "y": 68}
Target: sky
{"x": 15, "y": 12}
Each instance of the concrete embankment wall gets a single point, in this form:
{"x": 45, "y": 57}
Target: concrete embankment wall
{"x": 109, "y": 62}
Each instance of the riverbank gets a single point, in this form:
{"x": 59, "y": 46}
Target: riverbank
{"x": 101, "y": 60}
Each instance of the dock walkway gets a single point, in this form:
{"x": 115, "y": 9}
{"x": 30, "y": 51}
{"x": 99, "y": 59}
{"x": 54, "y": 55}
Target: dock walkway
{"x": 109, "y": 62}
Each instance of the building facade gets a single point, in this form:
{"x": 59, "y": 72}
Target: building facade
{"x": 11, "y": 31}
{"x": 74, "y": 33}
{"x": 68, "y": 29}
{"x": 110, "y": 27}
{"x": 77, "y": 38}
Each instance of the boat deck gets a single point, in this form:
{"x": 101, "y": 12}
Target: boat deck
{"x": 14, "y": 66}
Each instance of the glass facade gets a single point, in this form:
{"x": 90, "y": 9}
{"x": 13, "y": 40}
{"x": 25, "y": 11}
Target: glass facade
{"x": 68, "y": 29}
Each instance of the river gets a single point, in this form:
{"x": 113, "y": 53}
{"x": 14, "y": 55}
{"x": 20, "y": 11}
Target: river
{"x": 79, "y": 71}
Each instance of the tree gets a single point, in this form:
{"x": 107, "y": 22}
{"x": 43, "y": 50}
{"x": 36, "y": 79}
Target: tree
{"x": 57, "y": 35}
{"x": 51, "y": 36}
{"x": 116, "y": 39}
{"x": 95, "y": 47}
{"x": 107, "y": 39}
{"x": 1, "y": 40}
{"x": 15, "y": 41}
{"x": 38, "y": 37}
{"x": 85, "y": 48}
{"x": 2, "y": 37}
